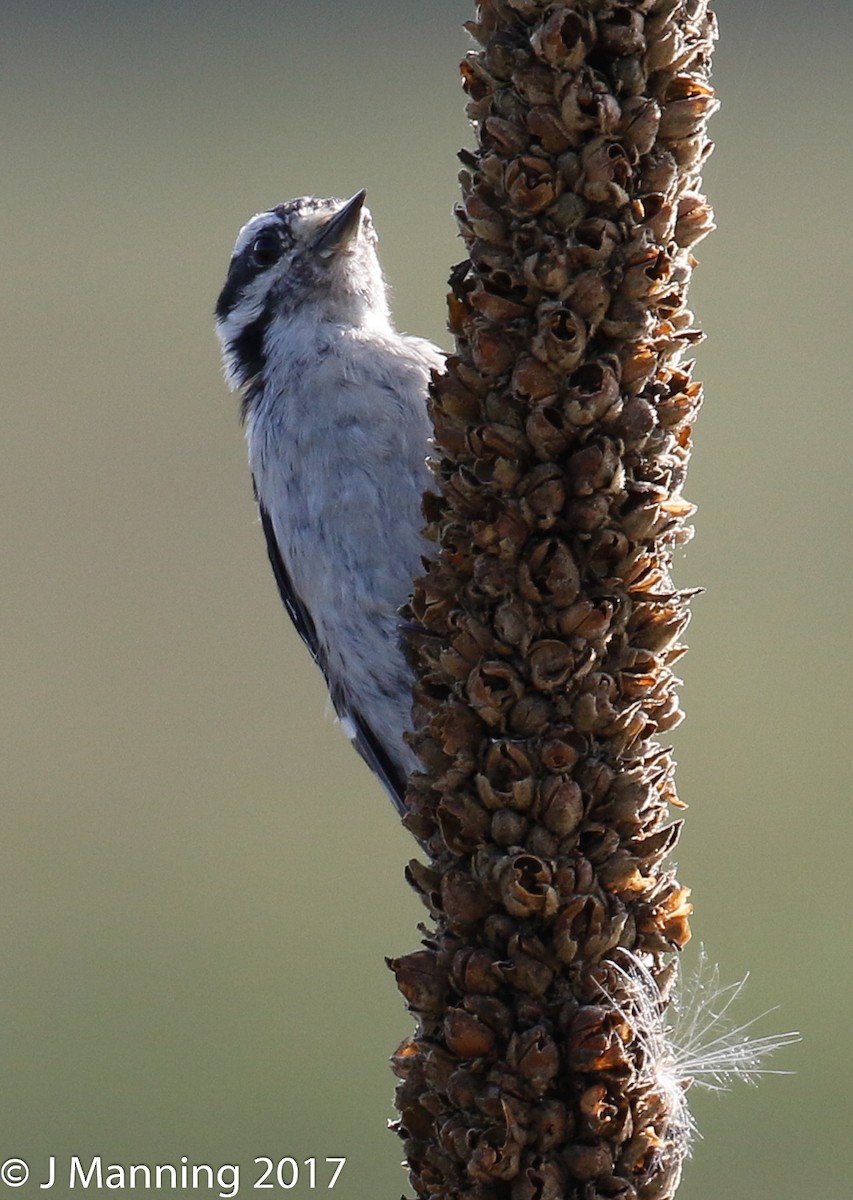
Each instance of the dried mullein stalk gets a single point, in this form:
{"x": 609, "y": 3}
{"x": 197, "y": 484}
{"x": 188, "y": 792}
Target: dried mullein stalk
{"x": 548, "y": 627}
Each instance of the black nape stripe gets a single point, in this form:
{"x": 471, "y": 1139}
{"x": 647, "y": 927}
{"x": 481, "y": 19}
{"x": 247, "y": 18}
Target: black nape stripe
{"x": 248, "y": 347}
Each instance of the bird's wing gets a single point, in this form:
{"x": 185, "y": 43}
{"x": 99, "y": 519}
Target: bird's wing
{"x": 297, "y": 611}
{"x": 390, "y": 774}
{"x": 357, "y": 728}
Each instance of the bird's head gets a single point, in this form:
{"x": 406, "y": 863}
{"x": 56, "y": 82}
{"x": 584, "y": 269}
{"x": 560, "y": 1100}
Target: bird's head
{"x": 308, "y": 258}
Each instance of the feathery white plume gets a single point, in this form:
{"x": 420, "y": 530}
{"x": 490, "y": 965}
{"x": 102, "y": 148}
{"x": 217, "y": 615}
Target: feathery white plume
{"x": 696, "y": 1041}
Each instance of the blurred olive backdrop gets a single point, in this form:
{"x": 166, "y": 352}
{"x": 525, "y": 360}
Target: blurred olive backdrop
{"x": 198, "y": 879}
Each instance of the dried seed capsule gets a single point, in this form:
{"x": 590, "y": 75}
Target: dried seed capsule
{"x": 560, "y": 339}
{"x": 533, "y": 380}
{"x": 531, "y": 184}
{"x": 534, "y": 1056}
{"x": 561, "y": 806}
{"x": 508, "y": 827}
{"x": 551, "y": 663}
{"x": 563, "y": 39}
{"x": 466, "y": 1036}
{"x": 549, "y": 574}
{"x": 525, "y": 886}
{"x": 545, "y": 125}
{"x": 640, "y": 120}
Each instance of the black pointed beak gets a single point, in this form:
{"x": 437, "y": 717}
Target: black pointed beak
{"x": 339, "y": 232}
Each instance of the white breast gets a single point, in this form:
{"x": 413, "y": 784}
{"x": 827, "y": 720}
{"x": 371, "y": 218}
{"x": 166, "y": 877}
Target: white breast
{"x": 338, "y": 454}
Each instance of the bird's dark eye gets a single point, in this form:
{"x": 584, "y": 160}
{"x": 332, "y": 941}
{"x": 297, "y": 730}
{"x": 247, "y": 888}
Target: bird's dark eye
{"x": 266, "y": 249}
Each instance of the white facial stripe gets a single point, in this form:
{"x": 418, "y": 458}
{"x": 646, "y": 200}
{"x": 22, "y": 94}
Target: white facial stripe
{"x": 245, "y": 312}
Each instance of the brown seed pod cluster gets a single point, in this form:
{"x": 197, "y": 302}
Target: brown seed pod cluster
{"x": 548, "y": 627}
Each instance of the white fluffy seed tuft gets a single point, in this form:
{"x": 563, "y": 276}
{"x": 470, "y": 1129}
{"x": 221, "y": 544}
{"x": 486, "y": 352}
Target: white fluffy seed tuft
{"x": 695, "y": 1041}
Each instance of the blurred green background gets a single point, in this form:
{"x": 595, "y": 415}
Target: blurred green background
{"x": 198, "y": 879}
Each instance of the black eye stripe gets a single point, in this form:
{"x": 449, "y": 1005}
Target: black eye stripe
{"x": 236, "y": 282}
{"x": 247, "y": 266}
